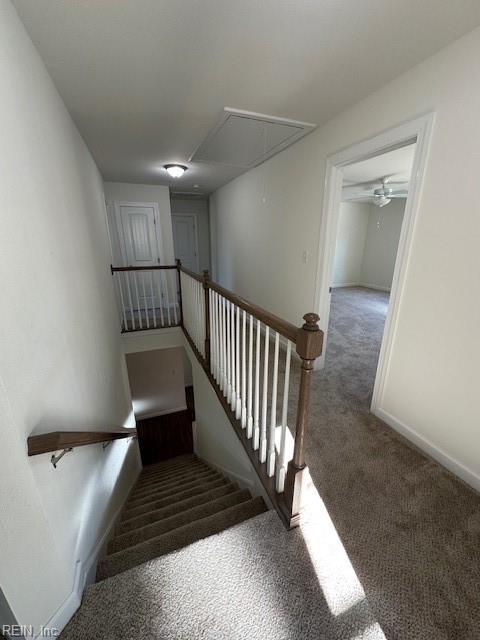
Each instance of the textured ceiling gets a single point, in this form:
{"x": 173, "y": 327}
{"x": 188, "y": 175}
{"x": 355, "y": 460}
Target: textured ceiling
{"x": 146, "y": 80}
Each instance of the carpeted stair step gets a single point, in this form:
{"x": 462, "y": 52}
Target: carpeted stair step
{"x": 160, "y": 492}
{"x": 171, "y": 484}
{"x": 168, "y": 465}
{"x": 174, "y": 508}
{"x": 172, "y": 473}
{"x": 171, "y": 498}
{"x": 180, "y": 537}
{"x": 197, "y": 512}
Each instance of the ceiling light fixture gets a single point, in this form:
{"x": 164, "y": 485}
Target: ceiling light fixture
{"x": 381, "y": 200}
{"x": 175, "y": 170}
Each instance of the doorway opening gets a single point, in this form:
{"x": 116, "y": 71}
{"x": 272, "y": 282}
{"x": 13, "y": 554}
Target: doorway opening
{"x": 370, "y": 219}
{"x": 371, "y": 201}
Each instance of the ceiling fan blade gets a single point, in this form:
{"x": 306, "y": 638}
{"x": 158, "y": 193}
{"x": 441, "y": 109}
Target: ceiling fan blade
{"x": 358, "y": 196}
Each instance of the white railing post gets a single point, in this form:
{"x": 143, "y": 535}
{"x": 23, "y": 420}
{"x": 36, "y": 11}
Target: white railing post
{"x": 250, "y": 380}
{"x": 273, "y": 415}
{"x": 263, "y": 425}
{"x": 282, "y": 462}
{"x": 256, "y": 414}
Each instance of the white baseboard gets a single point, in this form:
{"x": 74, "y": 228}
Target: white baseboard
{"x": 375, "y": 287}
{"x": 84, "y": 570}
{"x": 360, "y": 284}
{"x": 453, "y": 465}
{"x": 341, "y": 285}
{"x": 243, "y": 481}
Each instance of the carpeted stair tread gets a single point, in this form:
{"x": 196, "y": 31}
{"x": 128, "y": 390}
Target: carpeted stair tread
{"x": 166, "y": 486}
{"x": 171, "y": 498}
{"x": 172, "y": 462}
{"x": 162, "y": 492}
{"x": 197, "y": 512}
{"x": 168, "y": 465}
{"x": 172, "y": 473}
{"x": 168, "y": 477}
{"x": 176, "y": 507}
{"x": 179, "y": 537}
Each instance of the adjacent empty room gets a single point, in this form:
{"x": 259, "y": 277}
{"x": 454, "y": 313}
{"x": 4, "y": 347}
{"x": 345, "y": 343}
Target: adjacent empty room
{"x": 370, "y": 219}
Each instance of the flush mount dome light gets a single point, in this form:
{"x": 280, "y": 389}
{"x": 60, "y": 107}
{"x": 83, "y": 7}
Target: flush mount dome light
{"x": 175, "y": 170}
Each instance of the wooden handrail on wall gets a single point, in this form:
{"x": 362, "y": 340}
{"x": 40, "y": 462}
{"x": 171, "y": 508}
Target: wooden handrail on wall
{"x": 56, "y": 440}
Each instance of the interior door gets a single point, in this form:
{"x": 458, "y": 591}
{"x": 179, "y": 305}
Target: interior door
{"x": 137, "y": 224}
{"x": 185, "y": 240}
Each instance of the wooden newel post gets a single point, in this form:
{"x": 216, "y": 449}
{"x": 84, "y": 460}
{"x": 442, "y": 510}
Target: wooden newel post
{"x": 309, "y": 347}
{"x": 180, "y": 301}
{"x": 206, "y": 278}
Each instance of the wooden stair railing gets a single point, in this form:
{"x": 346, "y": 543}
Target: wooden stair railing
{"x": 225, "y": 332}
{"x": 214, "y": 321}
{"x": 148, "y": 297}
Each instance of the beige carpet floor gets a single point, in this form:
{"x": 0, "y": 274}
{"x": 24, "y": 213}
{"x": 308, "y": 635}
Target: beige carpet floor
{"x": 409, "y": 527}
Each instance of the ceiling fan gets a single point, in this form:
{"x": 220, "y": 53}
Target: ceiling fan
{"x": 381, "y": 195}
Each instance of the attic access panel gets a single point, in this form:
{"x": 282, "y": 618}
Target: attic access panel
{"x": 245, "y": 139}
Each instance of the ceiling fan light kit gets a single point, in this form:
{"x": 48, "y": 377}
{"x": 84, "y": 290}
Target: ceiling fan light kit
{"x": 380, "y": 196}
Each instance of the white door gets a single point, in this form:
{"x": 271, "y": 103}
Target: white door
{"x": 137, "y": 225}
{"x": 185, "y": 240}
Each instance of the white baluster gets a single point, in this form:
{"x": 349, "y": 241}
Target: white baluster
{"x": 263, "y": 426}
{"x": 167, "y": 298}
{"x": 213, "y": 342}
{"x": 223, "y": 340}
{"x": 256, "y": 414}
{"x": 212, "y": 334}
{"x": 138, "y": 299}
{"x": 250, "y": 380}
{"x": 229, "y": 371}
{"x": 273, "y": 414}
{"x": 233, "y": 399}
{"x": 153, "y": 299}
{"x": 282, "y": 463}
{"x": 217, "y": 337}
{"x": 129, "y": 292}
{"x": 238, "y": 404}
{"x": 159, "y": 293}
{"x": 244, "y": 370}
{"x": 195, "y": 319}
{"x": 142, "y": 277}
{"x": 173, "y": 280}
{"x": 122, "y": 302}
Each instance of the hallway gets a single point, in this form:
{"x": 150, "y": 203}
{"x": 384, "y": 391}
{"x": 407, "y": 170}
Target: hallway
{"x": 410, "y": 528}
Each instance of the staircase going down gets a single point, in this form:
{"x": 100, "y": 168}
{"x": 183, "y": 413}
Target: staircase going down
{"x": 174, "y": 504}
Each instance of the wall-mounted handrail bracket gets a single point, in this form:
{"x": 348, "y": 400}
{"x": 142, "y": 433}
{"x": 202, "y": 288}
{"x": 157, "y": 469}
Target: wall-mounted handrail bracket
{"x": 55, "y": 459}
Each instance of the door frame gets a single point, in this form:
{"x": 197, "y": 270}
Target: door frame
{"x": 195, "y": 234}
{"x": 418, "y": 130}
{"x": 119, "y": 228}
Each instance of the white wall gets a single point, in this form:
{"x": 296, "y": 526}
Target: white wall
{"x": 381, "y": 244}
{"x": 61, "y": 365}
{"x": 214, "y": 438}
{"x": 198, "y": 206}
{"x": 432, "y": 381}
{"x": 157, "y": 381}
{"x": 366, "y": 244}
{"x": 127, "y": 192}
{"x": 350, "y": 243}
